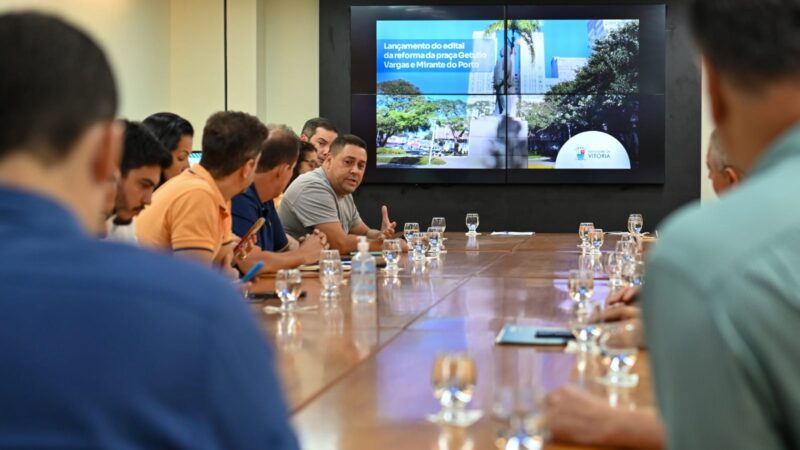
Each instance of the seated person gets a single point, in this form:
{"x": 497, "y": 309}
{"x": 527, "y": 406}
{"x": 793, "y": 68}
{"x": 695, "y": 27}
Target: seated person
{"x": 320, "y": 132}
{"x": 322, "y": 200}
{"x": 272, "y": 174}
{"x": 175, "y": 134}
{"x": 106, "y": 345}
{"x": 277, "y": 130}
{"x": 143, "y": 159}
{"x": 306, "y": 160}
{"x": 190, "y": 214}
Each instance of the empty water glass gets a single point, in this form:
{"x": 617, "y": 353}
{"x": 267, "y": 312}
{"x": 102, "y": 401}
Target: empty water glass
{"x": 619, "y": 345}
{"x": 408, "y": 231}
{"x": 584, "y": 230}
{"x": 391, "y": 254}
{"x": 473, "y": 220}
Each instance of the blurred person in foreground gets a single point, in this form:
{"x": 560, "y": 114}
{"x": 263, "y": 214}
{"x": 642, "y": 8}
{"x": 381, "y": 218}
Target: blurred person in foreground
{"x": 577, "y": 416}
{"x": 722, "y": 297}
{"x": 104, "y": 345}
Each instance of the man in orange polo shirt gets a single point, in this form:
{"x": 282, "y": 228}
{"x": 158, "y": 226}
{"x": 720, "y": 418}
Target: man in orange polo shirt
{"x": 191, "y": 213}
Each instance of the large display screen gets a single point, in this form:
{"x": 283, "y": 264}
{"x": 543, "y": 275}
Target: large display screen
{"x": 527, "y": 94}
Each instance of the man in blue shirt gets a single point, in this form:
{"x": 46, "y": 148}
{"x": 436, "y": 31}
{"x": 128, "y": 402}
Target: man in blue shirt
{"x": 721, "y": 303}
{"x": 273, "y": 173}
{"x": 104, "y": 345}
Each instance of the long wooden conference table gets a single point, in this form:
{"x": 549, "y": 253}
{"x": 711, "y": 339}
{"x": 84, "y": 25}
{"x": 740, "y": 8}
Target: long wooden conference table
{"x": 358, "y": 376}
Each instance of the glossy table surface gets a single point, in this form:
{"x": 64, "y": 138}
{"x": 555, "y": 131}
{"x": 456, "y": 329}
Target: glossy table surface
{"x": 357, "y": 376}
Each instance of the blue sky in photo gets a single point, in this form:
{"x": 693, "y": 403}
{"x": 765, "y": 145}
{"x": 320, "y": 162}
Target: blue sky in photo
{"x": 565, "y": 38}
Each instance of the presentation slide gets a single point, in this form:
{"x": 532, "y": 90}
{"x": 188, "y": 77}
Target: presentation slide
{"x": 516, "y": 94}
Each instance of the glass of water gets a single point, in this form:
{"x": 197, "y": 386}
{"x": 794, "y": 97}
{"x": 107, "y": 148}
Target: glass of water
{"x": 518, "y": 411}
{"x": 473, "y": 220}
{"x": 635, "y": 224}
{"x": 408, "y": 231}
{"x": 434, "y": 241}
{"x": 619, "y": 345}
{"x": 454, "y": 376}
{"x": 584, "y": 231}
{"x": 596, "y": 238}
{"x": 613, "y": 267}
{"x": 287, "y": 286}
{"x": 440, "y": 223}
{"x": 330, "y": 275}
{"x": 419, "y": 245}
{"x": 391, "y": 254}
{"x": 586, "y": 325}
{"x": 580, "y": 285}
{"x": 633, "y": 273}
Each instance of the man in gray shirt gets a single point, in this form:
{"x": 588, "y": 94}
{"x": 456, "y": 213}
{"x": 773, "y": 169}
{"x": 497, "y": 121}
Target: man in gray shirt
{"x": 322, "y": 199}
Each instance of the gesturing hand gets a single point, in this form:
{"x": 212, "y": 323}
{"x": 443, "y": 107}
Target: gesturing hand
{"x": 387, "y": 226}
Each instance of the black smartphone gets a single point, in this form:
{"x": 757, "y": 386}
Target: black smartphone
{"x": 262, "y": 296}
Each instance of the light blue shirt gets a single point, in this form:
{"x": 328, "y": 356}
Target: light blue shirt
{"x": 722, "y": 313}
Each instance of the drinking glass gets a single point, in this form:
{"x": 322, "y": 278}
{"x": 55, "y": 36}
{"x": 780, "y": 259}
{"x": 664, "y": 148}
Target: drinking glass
{"x": 391, "y": 254}
{"x": 580, "y": 285}
{"x": 518, "y": 410}
{"x": 442, "y": 225}
{"x": 583, "y": 232}
{"x": 439, "y": 222}
{"x": 434, "y": 241}
{"x": 586, "y": 325}
{"x": 633, "y": 273}
{"x": 409, "y": 229}
{"x": 613, "y": 267}
{"x": 419, "y": 245}
{"x": 596, "y": 238}
{"x": 635, "y": 224}
{"x": 330, "y": 275}
{"x": 628, "y": 249}
{"x": 473, "y": 220}
{"x": 287, "y": 286}
{"x": 619, "y": 345}
{"x": 453, "y": 378}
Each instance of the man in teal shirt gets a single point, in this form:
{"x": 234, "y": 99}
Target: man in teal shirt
{"x": 722, "y": 297}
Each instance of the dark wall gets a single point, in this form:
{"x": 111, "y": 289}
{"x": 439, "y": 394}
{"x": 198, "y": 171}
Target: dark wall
{"x": 541, "y": 208}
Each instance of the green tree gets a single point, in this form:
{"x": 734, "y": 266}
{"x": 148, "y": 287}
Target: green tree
{"x": 522, "y": 28}
{"x": 401, "y": 108}
{"x": 452, "y": 114}
{"x": 602, "y": 89}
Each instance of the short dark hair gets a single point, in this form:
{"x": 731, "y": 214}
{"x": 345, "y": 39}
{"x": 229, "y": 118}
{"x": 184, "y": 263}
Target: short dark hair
{"x": 311, "y": 125}
{"x": 169, "y": 128}
{"x": 346, "y": 139}
{"x": 141, "y": 148}
{"x": 230, "y": 139}
{"x": 280, "y": 148}
{"x": 55, "y": 83}
{"x": 749, "y": 41}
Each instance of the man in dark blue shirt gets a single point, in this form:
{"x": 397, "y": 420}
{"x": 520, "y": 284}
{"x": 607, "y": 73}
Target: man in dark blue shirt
{"x": 104, "y": 345}
{"x": 272, "y": 175}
